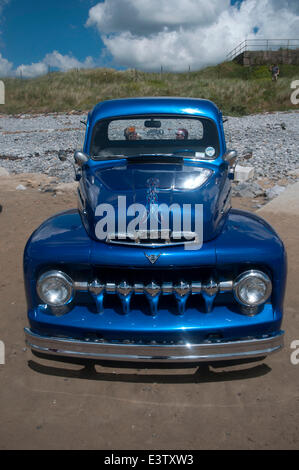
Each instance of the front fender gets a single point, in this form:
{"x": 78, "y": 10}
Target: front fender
{"x": 249, "y": 240}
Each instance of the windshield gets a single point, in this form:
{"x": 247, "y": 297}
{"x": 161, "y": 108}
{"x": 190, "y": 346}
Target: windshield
{"x": 158, "y": 135}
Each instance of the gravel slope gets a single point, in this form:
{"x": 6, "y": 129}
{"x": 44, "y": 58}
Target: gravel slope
{"x": 273, "y": 138}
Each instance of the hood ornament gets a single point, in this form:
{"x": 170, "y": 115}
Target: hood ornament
{"x": 152, "y": 199}
{"x": 152, "y": 258}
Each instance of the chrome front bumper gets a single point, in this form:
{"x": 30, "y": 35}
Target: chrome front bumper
{"x": 155, "y": 353}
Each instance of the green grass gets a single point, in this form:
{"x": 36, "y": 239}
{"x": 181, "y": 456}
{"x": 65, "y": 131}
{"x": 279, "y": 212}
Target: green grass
{"x": 235, "y": 89}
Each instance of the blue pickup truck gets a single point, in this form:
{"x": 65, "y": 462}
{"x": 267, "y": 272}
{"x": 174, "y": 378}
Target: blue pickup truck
{"x": 154, "y": 264}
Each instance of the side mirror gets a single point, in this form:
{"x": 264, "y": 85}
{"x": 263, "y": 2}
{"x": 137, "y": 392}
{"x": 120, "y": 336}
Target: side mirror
{"x": 80, "y": 158}
{"x": 230, "y": 157}
{"x": 247, "y": 154}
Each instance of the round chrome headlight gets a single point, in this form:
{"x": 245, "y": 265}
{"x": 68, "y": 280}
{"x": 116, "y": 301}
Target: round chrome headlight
{"x": 252, "y": 288}
{"x": 55, "y": 288}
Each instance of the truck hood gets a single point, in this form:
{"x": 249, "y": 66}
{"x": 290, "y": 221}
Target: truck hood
{"x": 195, "y": 188}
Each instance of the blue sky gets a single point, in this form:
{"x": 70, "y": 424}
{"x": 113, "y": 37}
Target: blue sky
{"x": 33, "y": 28}
{"x": 142, "y": 34}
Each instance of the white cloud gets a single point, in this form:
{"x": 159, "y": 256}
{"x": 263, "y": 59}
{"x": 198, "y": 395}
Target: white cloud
{"x": 148, "y": 16}
{"x": 5, "y": 67}
{"x": 53, "y": 60}
{"x": 150, "y": 33}
{"x": 66, "y": 62}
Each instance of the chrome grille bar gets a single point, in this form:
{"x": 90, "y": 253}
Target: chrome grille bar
{"x": 182, "y": 290}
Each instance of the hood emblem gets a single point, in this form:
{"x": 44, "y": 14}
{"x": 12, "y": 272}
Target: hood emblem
{"x": 152, "y": 258}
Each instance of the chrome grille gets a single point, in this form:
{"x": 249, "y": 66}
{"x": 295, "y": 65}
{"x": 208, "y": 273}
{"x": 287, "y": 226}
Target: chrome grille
{"x": 154, "y": 290}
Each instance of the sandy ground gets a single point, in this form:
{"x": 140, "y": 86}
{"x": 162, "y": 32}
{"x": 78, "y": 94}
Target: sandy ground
{"x": 49, "y": 404}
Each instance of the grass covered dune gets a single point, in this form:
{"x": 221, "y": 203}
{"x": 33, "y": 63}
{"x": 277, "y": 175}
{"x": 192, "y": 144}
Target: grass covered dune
{"x": 235, "y": 89}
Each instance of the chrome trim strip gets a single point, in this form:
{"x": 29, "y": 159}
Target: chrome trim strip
{"x": 81, "y": 286}
{"x": 110, "y": 288}
{"x": 138, "y": 288}
{"x": 225, "y": 286}
{"x": 137, "y": 237}
{"x": 167, "y": 288}
{"x": 204, "y": 352}
{"x": 195, "y": 287}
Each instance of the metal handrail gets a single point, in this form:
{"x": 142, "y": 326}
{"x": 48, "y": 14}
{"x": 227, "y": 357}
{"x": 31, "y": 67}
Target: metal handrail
{"x": 262, "y": 44}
